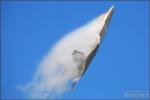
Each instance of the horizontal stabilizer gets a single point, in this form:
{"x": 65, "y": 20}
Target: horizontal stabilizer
{"x": 74, "y": 82}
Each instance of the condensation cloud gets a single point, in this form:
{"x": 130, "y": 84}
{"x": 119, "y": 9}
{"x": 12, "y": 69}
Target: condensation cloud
{"x": 57, "y": 69}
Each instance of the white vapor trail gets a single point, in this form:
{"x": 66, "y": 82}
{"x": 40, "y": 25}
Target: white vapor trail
{"x": 57, "y": 69}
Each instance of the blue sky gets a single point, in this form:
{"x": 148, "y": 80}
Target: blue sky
{"x": 30, "y": 29}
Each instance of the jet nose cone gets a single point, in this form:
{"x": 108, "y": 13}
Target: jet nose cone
{"x": 110, "y": 11}
{"x": 106, "y": 19}
{"x": 109, "y": 14}
{"x": 112, "y": 8}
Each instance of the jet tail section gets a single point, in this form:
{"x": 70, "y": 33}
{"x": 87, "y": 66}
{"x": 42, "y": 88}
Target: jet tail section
{"x": 74, "y": 82}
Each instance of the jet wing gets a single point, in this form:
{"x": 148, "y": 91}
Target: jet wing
{"x": 89, "y": 58}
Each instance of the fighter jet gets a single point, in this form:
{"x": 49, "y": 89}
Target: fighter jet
{"x": 84, "y": 59}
